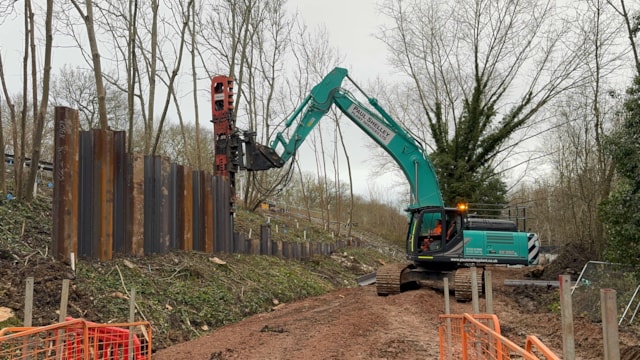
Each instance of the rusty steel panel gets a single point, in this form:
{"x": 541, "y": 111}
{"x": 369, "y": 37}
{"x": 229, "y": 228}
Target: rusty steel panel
{"x": 296, "y": 251}
{"x": 120, "y": 190}
{"x": 223, "y": 225}
{"x": 239, "y": 245}
{"x": 156, "y": 205}
{"x": 86, "y": 199}
{"x": 240, "y": 238}
{"x": 151, "y": 204}
{"x": 165, "y": 208}
{"x": 286, "y": 250}
{"x": 127, "y": 199}
{"x": 176, "y": 209}
{"x": 247, "y": 246}
{"x": 276, "y": 248}
{"x": 197, "y": 211}
{"x": 305, "y": 250}
{"x": 137, "y": 204}
{"x": 254, "y": 248}
{"x": 265, "y": 239}
{"x": 218, "y": 209}
{"x": 65, "y": 178}
{"x": 312, "y": 249}
{"x": 96, "y": 180}
{"x": 187, "y": 210}
{"x": 103, "y": 192}
{"x": 208, "y": 213}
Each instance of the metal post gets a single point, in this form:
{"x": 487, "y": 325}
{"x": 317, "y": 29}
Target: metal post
{"x": 65, "y": 179}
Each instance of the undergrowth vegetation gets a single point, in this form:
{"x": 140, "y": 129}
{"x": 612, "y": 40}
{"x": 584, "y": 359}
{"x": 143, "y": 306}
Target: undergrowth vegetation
{"x": 182, "y": 294}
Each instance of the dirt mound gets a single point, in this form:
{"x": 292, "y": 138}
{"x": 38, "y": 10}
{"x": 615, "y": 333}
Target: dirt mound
{"x": 48, "y": 276}
{"x": 570, "y": 261}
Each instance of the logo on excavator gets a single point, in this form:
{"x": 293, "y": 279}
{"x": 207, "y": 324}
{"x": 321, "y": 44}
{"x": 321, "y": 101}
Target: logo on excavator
{"x": 375, "y": 127}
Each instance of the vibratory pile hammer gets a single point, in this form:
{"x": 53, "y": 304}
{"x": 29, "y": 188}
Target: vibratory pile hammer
{"x": 235, "y": 149}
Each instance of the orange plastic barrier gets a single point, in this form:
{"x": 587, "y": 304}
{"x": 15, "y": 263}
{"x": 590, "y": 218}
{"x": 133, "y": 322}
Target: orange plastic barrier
{"x": 76, "y": 340}
{"x": 478, "y": 336}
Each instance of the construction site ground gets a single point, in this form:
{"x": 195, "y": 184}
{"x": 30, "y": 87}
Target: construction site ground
{"x": 355, "y": 323}
{"x": 345, "y": 323}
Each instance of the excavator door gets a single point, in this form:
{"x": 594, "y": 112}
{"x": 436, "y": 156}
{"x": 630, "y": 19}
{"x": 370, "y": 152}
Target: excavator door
{"x": 428, "y": 231}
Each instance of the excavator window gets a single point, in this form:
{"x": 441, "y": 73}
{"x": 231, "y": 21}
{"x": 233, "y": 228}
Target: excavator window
{"x": 431, "y": 231}
{"x": 454, "y": 224}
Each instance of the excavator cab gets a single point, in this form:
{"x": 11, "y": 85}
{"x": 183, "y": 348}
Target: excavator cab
{"x": 429, "y": 232}
{"x": 434, "y": 230}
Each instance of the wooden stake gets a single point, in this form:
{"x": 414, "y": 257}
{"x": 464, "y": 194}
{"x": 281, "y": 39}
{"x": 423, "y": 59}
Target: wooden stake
{"x": 64, "y": 300}
{"x": 447, "y": 310}
{"x": 28, "y": 302}
{"x": 488, "y": 289}
{"x": 609, "y": 324}
{"x": 132, "y": 318}
{"x": 474, "y": 291}
{"x": 566, "y": 311}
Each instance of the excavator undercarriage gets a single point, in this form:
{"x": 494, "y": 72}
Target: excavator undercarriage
{"x": 395, "y": 278}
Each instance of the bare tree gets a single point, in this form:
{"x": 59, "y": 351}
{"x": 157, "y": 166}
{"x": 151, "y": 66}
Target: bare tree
{"x": 185, "y": 12}
{"x": 12, "y": 119}
{"x": 565, "y": 203}
{"x": 95, "y": 56}
{"x": 251, "y": 39}
{"x": 193, "y": 52}
{"x": 631, "y": 24}
{"x": 177, "y": 144}
{"x": 3, "y": 186}
{"x": 40, "y": 112}
{"x": 467, "y": 61}
{"x": 76, "y": 88}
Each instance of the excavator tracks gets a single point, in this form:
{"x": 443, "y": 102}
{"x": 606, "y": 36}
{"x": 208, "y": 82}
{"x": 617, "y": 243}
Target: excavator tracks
{"x": 389, "y": 279}
{"x": 462, "y": 284}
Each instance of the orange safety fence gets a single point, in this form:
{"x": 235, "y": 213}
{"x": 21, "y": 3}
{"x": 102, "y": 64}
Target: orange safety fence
{"x": 477, "y": 336}
{"x": 77, "y": 339}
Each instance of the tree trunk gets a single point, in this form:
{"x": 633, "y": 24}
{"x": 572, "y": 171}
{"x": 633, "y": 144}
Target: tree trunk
{"x": 42, "y": 111}
{"x": 95, "y": 56}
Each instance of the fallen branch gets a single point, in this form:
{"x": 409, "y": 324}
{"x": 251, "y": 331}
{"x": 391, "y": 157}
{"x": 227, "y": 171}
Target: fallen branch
{"x": 176, "y": 272}
{"x": 26, "y": 259}
{"x": 82, "y": 313}
{"x": 129, "y": 295}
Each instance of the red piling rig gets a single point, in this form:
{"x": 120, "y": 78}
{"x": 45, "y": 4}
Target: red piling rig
{"x": 223, "y": 121}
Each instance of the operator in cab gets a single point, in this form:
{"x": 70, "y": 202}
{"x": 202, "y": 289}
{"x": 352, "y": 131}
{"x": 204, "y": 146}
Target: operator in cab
{"x": 437, "y": 230}
{"x": 433, "y": 235}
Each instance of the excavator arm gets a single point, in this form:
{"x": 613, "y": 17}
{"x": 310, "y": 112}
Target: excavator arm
{"x": 375, "y": 122}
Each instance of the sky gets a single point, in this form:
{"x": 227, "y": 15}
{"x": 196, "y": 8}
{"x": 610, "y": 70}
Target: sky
{"x": 352, "y": 26}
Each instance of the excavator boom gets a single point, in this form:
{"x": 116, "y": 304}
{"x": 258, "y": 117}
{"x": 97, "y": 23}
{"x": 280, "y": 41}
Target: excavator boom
{"x": 376, "y": 123}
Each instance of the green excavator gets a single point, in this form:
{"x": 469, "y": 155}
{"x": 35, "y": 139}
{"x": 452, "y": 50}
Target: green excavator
{"x": 441, "y": 241}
